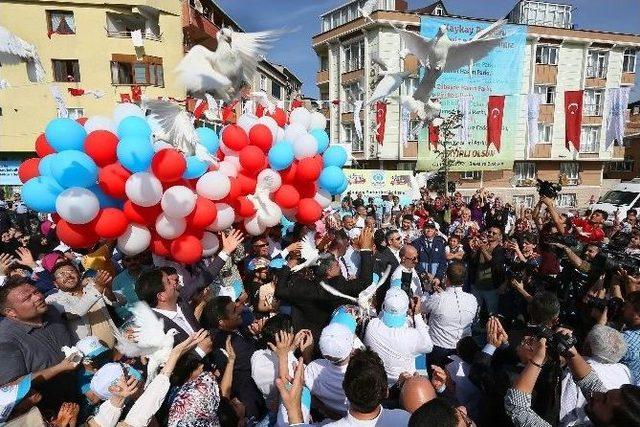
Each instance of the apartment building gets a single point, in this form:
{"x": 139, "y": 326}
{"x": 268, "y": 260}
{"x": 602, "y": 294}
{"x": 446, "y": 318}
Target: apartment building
{"x": 629, "y": 167}
{"x": 557, "y": 58}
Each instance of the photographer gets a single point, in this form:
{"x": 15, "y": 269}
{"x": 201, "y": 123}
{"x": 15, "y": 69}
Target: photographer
{"x": 586, "y": 230}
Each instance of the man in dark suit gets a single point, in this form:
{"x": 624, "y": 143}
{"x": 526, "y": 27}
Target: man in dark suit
{"x": 389, "y": 256}
{"x": 431, "y": 254}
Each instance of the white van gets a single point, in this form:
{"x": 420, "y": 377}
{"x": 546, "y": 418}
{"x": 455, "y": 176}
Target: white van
{"x": 621, "y": 198}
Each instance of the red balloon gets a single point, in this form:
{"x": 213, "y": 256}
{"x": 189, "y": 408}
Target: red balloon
{"x": 244, "y": 207}
{"x": 202, "y": 215}
{"x": 182, "y": 182}
{"x": 186, "y": 249}
{"x": 140, "y": 214}
{"x": 247, "y": 184}
{"x": 168, "y": 165}
{"x": 309, "y": 169}
{"x": 307, "y": 189}
{"x": 76, "y": 235}
{"x": 101, "y": 146}
{"x": 220, "y": 155}
{"x": 234, "y": 137}
{"x": 42, "y": 146}
{"x": 288, "y": 175}
{"x": 29, "y": 169}
{"x": 279, "y": 116}
{"x": 252, "y": 159}
{"x": 55, "y": 217}
{"x": 110, "y": 223}
{"x": 309, "y": 211}
{"x": 82, "y": 120}
{"x": 160, "y": 246}
{"x": 112, "y": 179}
{"x": 287, "y": 197}
{"x": 260, "y": 136}
{"x": 234, "y": 193}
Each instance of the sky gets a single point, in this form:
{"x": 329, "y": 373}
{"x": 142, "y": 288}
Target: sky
{"x": 303, "y": 17}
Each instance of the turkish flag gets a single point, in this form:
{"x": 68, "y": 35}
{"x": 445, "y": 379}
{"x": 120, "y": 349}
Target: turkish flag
{"x": 259, "y": 110}
{"x": 572, "y": 118}
{"x": 296, "y": 103}
{"x": 75, "y": 92}
{"x": 200, "y": 108}
{"x": 136, "y": 93}
{"x": 434, "y": 135}
{"x": 228, "y": 114}
{"x": 495, "y": 111}
{"x": 381, "y": 119}
{"x": 125, "y": 97}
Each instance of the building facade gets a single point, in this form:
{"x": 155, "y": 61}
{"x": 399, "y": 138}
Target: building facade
{"x": 557, "y": 58}
{"x": 629, "y": 167}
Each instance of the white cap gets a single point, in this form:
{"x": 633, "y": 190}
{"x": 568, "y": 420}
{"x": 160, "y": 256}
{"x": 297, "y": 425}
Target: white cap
{"x": 337, "y": 341}
{"x": 90, "y": 346}
{"x": 107, "y": 376}
{"x": 395, "y": 307}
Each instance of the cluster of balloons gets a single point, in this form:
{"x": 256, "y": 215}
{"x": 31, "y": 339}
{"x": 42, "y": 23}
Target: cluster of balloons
{"x": 105, "y": 178}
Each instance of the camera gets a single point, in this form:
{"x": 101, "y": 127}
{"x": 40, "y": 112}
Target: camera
{"x": 548, "y": 189}
{"x": 610, "y": 260}
{"x": 519, "y": 271}
{"x": 612, "y": 304}
{"x": 556, "y": 341}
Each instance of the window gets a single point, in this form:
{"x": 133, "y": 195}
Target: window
{"x": 60, "y": 22}
{"x": 546, "y": 54}
{"x": 625, "y": 165}
{"x": 597, "y": 64}
{"x": 569, "y": 173}
{"x": 590, "y": 139}
{"x": 471, "y": 175}
{"x": 132, "y": 72}
{"x": 121, "y": 25}
{"x": 263, "y": 82}
{"x": 545, "y": 132}
{"x": 276, "y": 89}
{"x": 66, "y": 70}
{"x": 438, "y": 11}
{"x": 547, "y": 93}
{"x": 525, "y": 173}
{"x": 351, "y": 137}
{"x": 629, "y": 61}
{"x": 414, "y": 130}
{"x": 525, "y": 200}
{"x": 352, "y": 92}
{"x": 354, "y": 56}
{"x": 75, "y": 113}
{"x": 617, "y": 197}
{"x": 409, "y": 86}
{"x": 592, "y": 102}
{"x": 324, "y": 62}
{"x": 568, "y": 200}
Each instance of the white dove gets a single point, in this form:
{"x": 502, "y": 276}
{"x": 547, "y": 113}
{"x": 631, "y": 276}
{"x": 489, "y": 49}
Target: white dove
{"x": 308, "y": 252}
{"x": 367, "y": 9}
{"x": 212, "y": 112}
{"x": 268, "y": 212}
{"x": 440, "y": 54}
{"x": 425, "y": 111}
{"x": 13, "y": 46}
{"x": 389, "y": 83}
{"x": 151, "y": 340}
{"x": 261, "y": 98}
{"x": 176, "y": 123}
{"x": 226, "y": 70}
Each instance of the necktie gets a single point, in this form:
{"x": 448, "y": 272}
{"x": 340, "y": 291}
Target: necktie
{"x": 346, "y": 268}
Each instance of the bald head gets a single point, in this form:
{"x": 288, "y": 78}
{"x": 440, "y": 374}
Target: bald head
{"x": 408, "y": 256}
{"x": 416, "y": 391}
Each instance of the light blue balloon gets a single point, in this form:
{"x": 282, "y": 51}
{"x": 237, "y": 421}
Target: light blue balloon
{"x": 323, "y": 139}
{"x": 209, "y": 138}
{"x": 134, "y": 126}
{"x": 135, "y": 153}
{"x": 40, "y": 193}
{"x": 331, "y": 178}
{"x": 195, "y": 168}
{"x": 341, "y": 189}
{"x": 44, "y": 167}
{"x": 73, "y": 168}
{"x": 335, "y": 156}
{"x": 105, "y": 200}
{"x": 65, "y": 134}
{"x": 281, "y": 156}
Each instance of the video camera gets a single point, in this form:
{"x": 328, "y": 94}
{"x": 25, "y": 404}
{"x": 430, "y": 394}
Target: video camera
{"x": 610, "y": 260}
{"x": 612, "y": 304}
{"x": 548, "y": 189}
{"x": 556, "y": 341}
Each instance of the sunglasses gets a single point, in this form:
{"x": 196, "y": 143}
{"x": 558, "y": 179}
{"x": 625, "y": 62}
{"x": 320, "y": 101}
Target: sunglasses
{"x": 415, "y": 258}
{"x": 260, "y": 245}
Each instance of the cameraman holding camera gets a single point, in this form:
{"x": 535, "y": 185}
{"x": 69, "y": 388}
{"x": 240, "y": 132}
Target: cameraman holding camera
{"x": 586, "y": 230}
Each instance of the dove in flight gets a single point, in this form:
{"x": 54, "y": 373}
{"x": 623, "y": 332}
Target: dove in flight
{"x": 176, "y": 123}
{"x": 308, "y": 252}
{"x": 13, "y": 46}
{"x": 426, "y": 111}
{"x": 367, "y": 9}
{"x": 389, "y": 83}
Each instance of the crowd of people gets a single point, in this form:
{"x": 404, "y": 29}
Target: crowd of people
{"x": 444, "y": 311}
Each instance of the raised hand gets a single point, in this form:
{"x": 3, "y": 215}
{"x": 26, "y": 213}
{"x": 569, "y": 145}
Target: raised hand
{"x": 126, "y": 387}
{"x": 295, "y": 246}
{"x": 25, "y": 257}
{"x": 231, "y": 353}
{"x": 5, "y": 261}
{"x": 232, "y": 241}
{"x": 256, "y": 327}
{"x": 291, "y": 394}
{"x": 284, "y": 343}
{"x": 303, "y": 339}
{"x": 102, "y": 279}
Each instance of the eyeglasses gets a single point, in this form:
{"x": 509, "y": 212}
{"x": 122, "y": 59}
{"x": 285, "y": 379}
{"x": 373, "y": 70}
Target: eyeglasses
{"x": 415, "y": 258}
{"x": 260, "y": 245}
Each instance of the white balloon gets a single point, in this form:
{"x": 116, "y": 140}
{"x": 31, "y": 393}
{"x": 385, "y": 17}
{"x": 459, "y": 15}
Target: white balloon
{"x": 271, "y": 215}
{"x": 210, "y": 244}
{"x": 254, "y": 226}
{"x": 126, "y": 109}
{"x": 213, "y": 185}
{"x": 318, "y": 121}
{"x": 300, "y": 115}
{"x": 323, "y": 198}
{"x": 161, "y": 145}
{"x": 134, "y": 240}
{"x": 293, "y": 131}
{"x": 77, "y": 205}
{"x": 246, "y": 121}
{"x": 305, "y": 146}
{"x": 270, "y": 178}
{"x": 228, "y": 168}
{"x": 143, "y": 189}
{"x": 169, "y": 227}
{"x": 280, "y": 135}
{"x": 271, "y": 124}
{"x": 224, "y": 218}
{"x": 234, "y": 159}
{"x": 99, "y": 123}
{"x": 178, "y": 201}
{"x": 226, "y": 150}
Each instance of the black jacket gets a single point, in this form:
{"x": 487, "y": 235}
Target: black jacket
{"x": 384, "y": 259}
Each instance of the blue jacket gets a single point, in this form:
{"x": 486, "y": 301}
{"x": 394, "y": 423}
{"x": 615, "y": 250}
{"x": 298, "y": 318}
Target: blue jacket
{"x": 431, "y": 260}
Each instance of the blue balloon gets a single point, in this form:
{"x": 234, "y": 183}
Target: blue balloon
{"x": 105, "y": 200}
{"x": 323, "y": 139}
{"x": 335, "y": 156}
{"x": 331, "y": 178}
{"x": 40, "y": 193}
{"x": 73, "y": 168}
{"x": 209, "y": 138}
{"x": 281, "y": 156}
{"x": 341, "y": 189}
{"x": 135, "y": 153}
{"x": 134, "y": 126}
{"x": 65, "y": 134}
{"x": 44, "y": 167}
{"x": 195, "y": 168}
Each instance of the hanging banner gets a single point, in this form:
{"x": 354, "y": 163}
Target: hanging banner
{"x": 405, "y": 122}
{"x": 381, "y": 119}
{"x": 375, "y": 183}
{"x": 495, "y": 111}
{"x": 617, "y": 101}
{"x": 533, "y": 112}
{"x": 498, "y": 73}
{"x": 357, "y": 124}
{"x": 9, "y": 172}
{"x": 573, "y": 119}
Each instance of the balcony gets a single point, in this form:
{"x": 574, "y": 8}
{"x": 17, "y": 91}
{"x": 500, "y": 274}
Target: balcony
{"x": 322, "y": 77}
{"x": 146, "y": 35}
{"x": 198, "y": 26}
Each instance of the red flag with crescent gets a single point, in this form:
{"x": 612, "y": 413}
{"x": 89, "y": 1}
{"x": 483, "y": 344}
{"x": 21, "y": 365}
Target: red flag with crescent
{"x": 136, "y": 93}
{"x": 495, "y": 111}
{"x": 572, "y": 118}
{"x": 200, "y": 107}
{"x": 381, "y": 119}
{"x": 434, "y": 136}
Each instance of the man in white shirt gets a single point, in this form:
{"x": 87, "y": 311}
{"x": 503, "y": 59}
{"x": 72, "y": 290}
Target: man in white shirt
{"x": 451, "y": 314}
{"x": 407, "y": 230}
{"x": 393, "y": 338}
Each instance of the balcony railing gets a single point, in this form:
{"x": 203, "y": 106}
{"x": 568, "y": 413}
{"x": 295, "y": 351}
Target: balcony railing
{"x": 127, "y": 35}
